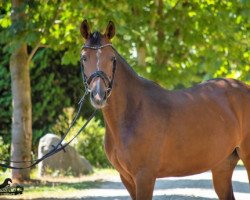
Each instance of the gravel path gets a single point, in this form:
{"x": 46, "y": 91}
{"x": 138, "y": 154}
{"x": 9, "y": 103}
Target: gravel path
{"x": 197, "y": 187}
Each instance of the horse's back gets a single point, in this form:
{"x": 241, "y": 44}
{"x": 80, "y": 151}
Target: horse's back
{"x": 223, "y": 84}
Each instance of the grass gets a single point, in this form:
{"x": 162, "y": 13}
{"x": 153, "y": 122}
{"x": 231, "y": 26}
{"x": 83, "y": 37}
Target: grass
{"x": 31, "y": 189}
{"x": 53, "y": 186}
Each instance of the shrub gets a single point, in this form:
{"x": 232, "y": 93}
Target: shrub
{"x": 4, "y": 149}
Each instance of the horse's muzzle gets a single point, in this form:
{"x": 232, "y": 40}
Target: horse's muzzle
{"x": 98, "y": 98}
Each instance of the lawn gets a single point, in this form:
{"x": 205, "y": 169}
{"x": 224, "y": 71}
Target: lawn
{"x": 57, "y": 186}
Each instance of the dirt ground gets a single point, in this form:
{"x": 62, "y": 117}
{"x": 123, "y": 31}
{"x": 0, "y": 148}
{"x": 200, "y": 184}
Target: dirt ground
{"x": 197, "y": 187}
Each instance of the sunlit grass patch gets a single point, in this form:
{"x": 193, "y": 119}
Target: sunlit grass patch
{"x": 47, "y": 187}
{"x": 59, "y": 186}
{"x": 108, "y": 171}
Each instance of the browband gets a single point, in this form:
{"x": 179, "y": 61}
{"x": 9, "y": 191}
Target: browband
{"x": 96, "y": 47}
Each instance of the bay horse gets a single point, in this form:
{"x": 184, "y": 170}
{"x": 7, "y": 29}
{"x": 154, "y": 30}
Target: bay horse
{"x": 153, "y": 133}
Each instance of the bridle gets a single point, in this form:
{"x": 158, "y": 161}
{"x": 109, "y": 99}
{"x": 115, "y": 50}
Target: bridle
{"x": 99, "y": 73}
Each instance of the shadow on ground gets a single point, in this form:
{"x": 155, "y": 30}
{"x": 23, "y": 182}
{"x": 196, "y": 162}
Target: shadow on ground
{"x": 160, "y": 197}
{"x": 198, "y": 184}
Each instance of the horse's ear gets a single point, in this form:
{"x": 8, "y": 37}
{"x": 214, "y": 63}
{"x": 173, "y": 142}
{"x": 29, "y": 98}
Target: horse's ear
{"x": 110, "y": 30}
{"x": 85, "y": 30}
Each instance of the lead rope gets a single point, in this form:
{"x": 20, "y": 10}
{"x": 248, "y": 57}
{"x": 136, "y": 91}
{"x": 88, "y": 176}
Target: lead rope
{"x": 51, "y": 152}
{"x": 57, "y": 147}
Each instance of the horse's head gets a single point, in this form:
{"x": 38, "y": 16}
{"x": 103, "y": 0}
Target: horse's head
{"x": 98, "y": 63}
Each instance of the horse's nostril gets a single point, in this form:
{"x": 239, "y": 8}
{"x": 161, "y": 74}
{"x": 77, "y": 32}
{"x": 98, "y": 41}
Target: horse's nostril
{"x": 98, "y": 96}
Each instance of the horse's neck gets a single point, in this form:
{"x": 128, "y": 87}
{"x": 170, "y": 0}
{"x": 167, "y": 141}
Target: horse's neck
{"x": 126, "y": 84}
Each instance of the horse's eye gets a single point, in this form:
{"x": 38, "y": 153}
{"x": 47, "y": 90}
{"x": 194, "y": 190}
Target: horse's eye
{"x": 113, "y": 58}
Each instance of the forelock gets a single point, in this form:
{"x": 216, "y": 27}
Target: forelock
{"x": 95, "y": 39}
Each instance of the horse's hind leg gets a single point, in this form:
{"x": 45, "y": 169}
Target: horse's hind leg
{"x": 222, "y": 177}
{"x": 244, "y": 154}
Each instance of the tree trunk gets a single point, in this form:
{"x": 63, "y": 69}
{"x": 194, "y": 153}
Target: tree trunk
{"x": 21, "y": 97}
{"x": 141, "y": 56}
{"x": 160, "y": 55}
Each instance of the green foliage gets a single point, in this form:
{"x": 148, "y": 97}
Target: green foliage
{"x": 5, "y": 107}
{"x": 51, "y": 91}
{"x": 180, "y": 42}
{"x": 59, "y": 173}
{"x": 5, "y": 98}
{"x": 47, "y": 92}
{"x": 4, "y": 149}
{"x": 90, "y": 142}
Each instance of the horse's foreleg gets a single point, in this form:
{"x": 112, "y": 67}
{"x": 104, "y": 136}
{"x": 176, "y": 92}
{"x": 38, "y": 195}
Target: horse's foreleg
{"x": 130, "y": 185}
{"x": 222, "y": 177}
{"x": 144, "y": 186}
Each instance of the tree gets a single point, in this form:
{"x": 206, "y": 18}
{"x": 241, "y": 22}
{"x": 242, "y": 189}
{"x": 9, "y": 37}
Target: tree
{"x": 20, "y": 85}
{"x": 27, "y": 31}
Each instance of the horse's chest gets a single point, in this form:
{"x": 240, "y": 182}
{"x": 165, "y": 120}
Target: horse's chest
{"x": 110, "y": 148}
{"x": 113, "y": 157}
{"x": 115, "y": 153}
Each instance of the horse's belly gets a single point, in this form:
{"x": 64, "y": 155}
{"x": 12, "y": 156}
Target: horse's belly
{"x": 199, "y": 142}
{"x": 195, "y": 156}
{"x": 185, "y": 169}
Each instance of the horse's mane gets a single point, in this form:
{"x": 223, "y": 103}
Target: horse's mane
{"x": 125, "y": 63}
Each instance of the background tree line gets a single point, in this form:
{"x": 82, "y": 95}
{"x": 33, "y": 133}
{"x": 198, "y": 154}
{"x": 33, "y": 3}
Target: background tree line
{"x": 176, "y": 43}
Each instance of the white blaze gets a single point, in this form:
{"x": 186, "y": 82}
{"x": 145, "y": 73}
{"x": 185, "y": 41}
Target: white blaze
{"x": 98, "y": 82}
{"x": 98, "y": 87}
{"x": 98, "y": 53}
